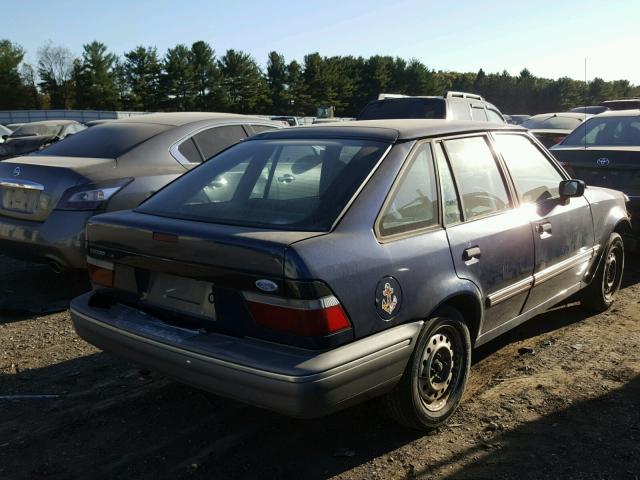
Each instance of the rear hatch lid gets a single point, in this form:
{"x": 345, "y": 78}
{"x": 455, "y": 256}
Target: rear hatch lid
{"x": 612, "y": 167}
{"x": 31, "y": 187}
{"x": 191, "y": 273}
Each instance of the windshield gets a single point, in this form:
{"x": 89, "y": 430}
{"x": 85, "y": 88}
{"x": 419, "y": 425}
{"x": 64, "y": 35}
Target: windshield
{"x": 29, "y": 130}
{"x": 608, "y": 131}
{"x": 553, "y": 122}
{"x": 287, "y": 184}
{"x": 403, "y": 108}
{"x": 110, "y": 140}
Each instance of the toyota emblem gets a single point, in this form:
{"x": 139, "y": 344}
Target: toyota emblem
{"x": 603, "y": 162}
{"x": 16, "y": 171}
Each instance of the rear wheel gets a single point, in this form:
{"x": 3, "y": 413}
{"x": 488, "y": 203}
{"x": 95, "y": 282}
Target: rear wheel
{"x": 601, "y": 292}
{"x": 435, "y": 377}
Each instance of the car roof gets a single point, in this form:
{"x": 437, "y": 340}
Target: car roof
{"x": 559, "y": 114}
{"x": 387, "y": 130}
{"x": 176, "y": 119}
{"x": 49, "y": 122}
{"x": 634, "y": 112}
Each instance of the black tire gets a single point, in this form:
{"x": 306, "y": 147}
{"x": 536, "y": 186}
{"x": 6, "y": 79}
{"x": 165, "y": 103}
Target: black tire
{"x": 416, "y": 401}
{"x": 601, "y": 292}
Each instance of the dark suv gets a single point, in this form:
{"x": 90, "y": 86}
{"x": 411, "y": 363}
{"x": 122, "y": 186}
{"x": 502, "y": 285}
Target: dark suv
{"x": 307, "y": 269}
{"x": 455, "y": 106}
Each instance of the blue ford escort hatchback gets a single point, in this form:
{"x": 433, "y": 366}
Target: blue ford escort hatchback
{"x": 307, "y": 269}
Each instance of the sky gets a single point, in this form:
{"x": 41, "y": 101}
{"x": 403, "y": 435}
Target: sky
{"x": 550, "y": 38}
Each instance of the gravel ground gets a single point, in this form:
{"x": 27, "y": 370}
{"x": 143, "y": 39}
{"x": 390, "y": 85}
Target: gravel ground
{"x": 558, "y": 397}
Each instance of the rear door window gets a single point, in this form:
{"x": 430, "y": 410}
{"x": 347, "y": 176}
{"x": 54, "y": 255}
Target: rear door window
{"x": 460, "y": 110}
{"x": 214, "y": 140}
{"x": 262, "y": 128}
{"x": 494, "y": 116}
{"x": 533, "y": 175}
{"x": 480, "y": 182}
{"x": 413, "y": 203}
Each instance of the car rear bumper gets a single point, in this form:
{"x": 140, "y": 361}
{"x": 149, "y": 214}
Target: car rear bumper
{"x": 59, "y": 239}
{"x": 293, "y": 381}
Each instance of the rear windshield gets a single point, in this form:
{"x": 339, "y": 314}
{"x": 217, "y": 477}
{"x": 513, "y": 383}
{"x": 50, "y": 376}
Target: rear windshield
{"x": 104, "y": 141}
{"x": 286, "y": 184}
{"x": 37, "y": 130}
{"x": 561, "y": 123}
{"x": 607, "y": 131}
{"x": 403, "y": 108}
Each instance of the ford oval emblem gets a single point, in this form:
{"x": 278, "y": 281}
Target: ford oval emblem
{"x": 16, "y": 171}
{"x": 266, "y": 285}
{"x": 603, "y": 162}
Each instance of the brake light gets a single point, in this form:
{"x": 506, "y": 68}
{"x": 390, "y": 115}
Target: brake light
{"x": 100, "y": 272}
{"x": 90, "y": 197}
{"x": 319, "y": 317}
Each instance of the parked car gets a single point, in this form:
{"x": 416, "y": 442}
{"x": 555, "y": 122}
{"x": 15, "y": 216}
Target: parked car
{"x": 622, "y": 103}
{"x": 454, "y": 106}
{"x": 48, "y": 197}
{"x": 14, "y": 126}
{"x": 34, "y": 136}
{"x": 307, "y": 269}
{"x": 591, "y": 109}
{"x": 4, "y": 133}
{"x": 605, "y": 152}
{"x": 289, "y": 120}
{"x": 516, "y": 119}
{"x": 551, "y": 128}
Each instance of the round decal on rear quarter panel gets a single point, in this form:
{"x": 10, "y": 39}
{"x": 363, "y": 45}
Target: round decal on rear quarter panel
{"x": 388, "y": 298}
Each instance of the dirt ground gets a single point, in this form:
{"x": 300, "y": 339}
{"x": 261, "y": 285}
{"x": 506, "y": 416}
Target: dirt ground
{"x": 558, "y": 397}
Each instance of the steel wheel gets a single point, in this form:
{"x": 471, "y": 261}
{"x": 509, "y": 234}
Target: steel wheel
{"x": 612, "y": 271}
{"x": 440, "y": 370}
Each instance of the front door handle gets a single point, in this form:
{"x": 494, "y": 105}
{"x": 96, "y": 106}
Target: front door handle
{"x": 471, "y": 253}
{"x": 544, "y": 229}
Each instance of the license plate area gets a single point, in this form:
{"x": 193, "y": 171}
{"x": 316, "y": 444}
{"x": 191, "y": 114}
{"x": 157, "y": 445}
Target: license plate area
{"x": 20, "y": 199}
{"x": 181, "y": 295}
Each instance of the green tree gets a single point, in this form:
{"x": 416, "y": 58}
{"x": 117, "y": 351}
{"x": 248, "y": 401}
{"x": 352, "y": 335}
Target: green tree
{"x": 245, "y": 88}
{"x": 206, "y": 77}
{"x": 95, "y": 78}
{"x": 280, "y": 97}
{"x": 295, "y": 80}
{"x": 178, "y": 78}
{"x": 12, "y": 91}
{"x": 142, "y": 72}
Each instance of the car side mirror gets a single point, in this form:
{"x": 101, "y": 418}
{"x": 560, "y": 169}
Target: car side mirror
{"x": 571, "y": 188}
{"x": 4, "y": 137}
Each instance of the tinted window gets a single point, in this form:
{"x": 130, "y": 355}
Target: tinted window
{"x": 262, "y": 128}
{"x": 460, "y": 110}
{"x": 414, "y": 202}
{"x": 214, "y": 140}
{"x": 104, "y": 141}
{"x": 478, "y": 114}
{"x": 555, "y": 122}
{"x": 404, "y": 108}
{"x": 285, "y": 184}
{"x": 481, "y": 186}
{"x": 452, "y": 212}
{"x": 621, "y": 131}
{"x": 189, "y": 151}
{"x": 494, "y": 116}
{"x": 31, "y": 130}
{"x": 534, "y": 176}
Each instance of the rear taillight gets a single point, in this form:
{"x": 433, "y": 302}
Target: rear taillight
{"x": 100, "y": 272}
{"x": 319, "y": 317}
{"x": 90, "y": 197}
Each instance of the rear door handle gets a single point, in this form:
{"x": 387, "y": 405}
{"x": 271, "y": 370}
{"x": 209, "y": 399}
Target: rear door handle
{"x": 544, "y": 229}
{"x": 471, "y": 253}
